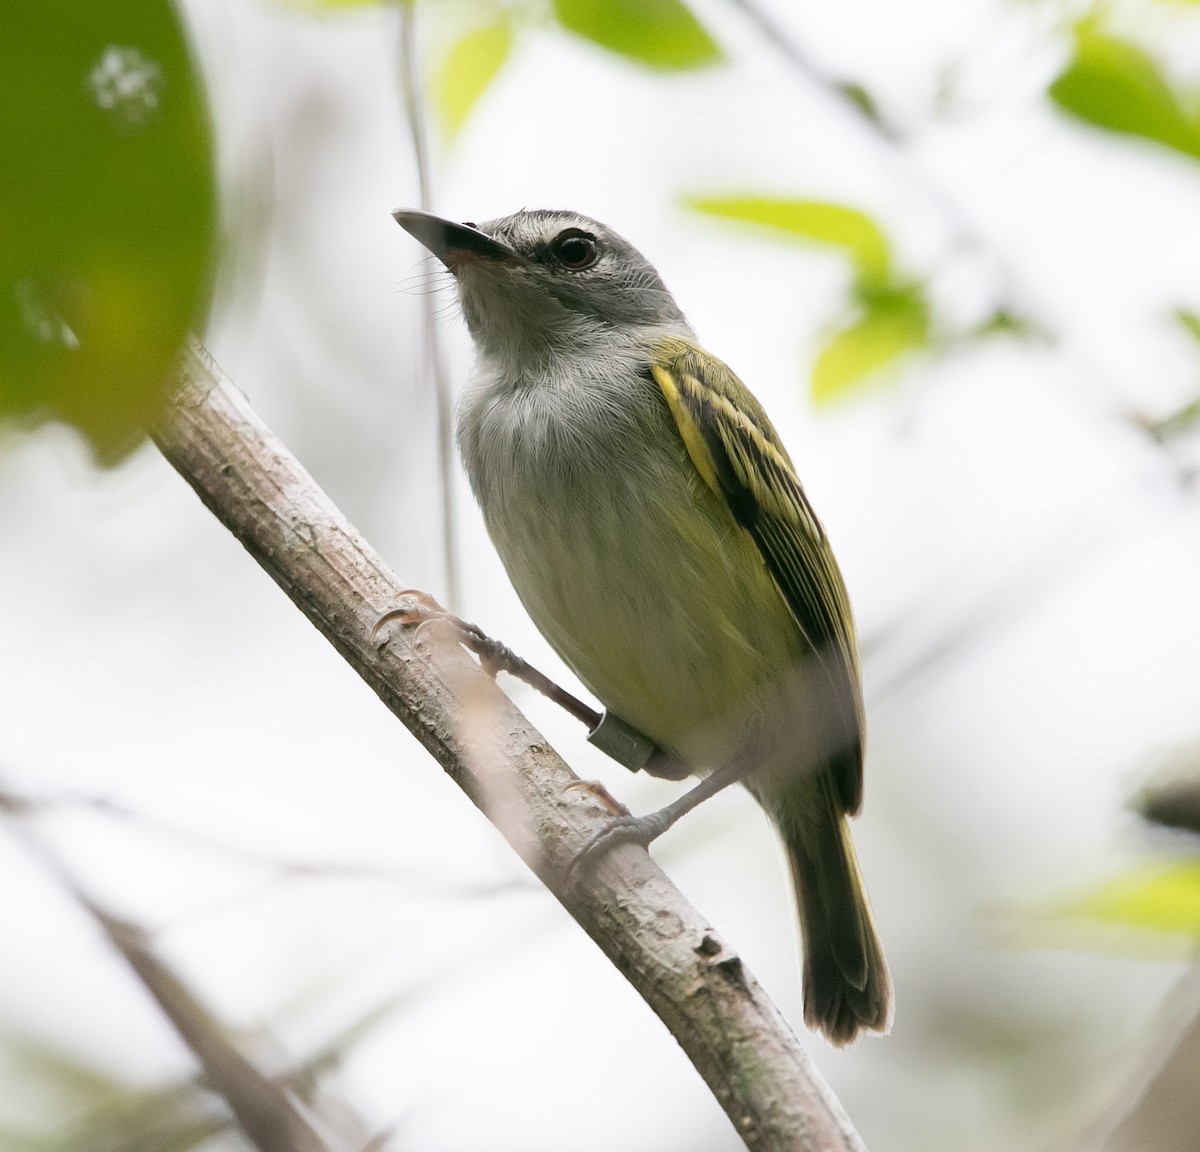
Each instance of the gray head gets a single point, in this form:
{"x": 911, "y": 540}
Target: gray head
{"x": 545, "y": 283}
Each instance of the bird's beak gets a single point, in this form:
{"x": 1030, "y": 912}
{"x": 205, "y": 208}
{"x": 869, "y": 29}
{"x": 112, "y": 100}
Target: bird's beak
{"x": 453, "y": 244}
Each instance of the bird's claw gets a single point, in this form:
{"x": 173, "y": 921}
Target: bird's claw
{"x": 643, "y": 830}
{"x": 415, "y": 607}
{"x": 421, "y": 609}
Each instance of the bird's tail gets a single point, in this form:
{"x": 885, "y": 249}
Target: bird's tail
{"x": 846, "y": 983}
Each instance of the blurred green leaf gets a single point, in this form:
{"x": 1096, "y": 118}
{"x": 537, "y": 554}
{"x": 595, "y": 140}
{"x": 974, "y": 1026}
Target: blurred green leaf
{"x": 107, "y": 212}
{"x": 816, "y": 220}
{"x": 862, "y": 99}
{"x": 467, "y": 70}
{"x": 660, "y": 34}
{"x": 891, "y": 316}
{"x": 892, "y": 322}
{"x": 1180, "y": 421}
{"x": 1113, "y": 84}
{"x": 1177, "y": 423}
{"x": 1189, "y": 322}
{"x": 1004, "y": 322}
{"x": 1159, "y": 898}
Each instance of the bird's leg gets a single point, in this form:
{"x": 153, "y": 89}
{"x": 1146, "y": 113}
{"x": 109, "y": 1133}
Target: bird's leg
{"x": 609, "y": 733}
{"x": 644, "y": 830}
{"x": 494, "y": 657}
{"x": 634, "y": 750}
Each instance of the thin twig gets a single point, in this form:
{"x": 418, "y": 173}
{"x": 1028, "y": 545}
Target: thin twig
{"x": 435, "y": 360}
{"x": 272, "y": 1116}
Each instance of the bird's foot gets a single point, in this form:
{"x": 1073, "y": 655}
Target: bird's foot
{"x": 420, "y": 609}
{"x": 414, "y": 609}
{"x": 643, "y": 830}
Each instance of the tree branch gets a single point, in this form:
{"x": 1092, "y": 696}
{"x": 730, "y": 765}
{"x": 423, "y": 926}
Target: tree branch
{"x": 694, "y": 981}
{"x": 270, "y": 1113}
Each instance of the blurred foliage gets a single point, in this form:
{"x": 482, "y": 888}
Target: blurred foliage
{"x": 663, "y": 35}
{"x": 660, "y": 34}
{"x": 1002, "y": 322}
{"x": 1175, "y": 424}
{"x": 817, "y": 220}
{"x": 107, "y": 212}
{"x": 1161, "y": 898}
{"x": 890, "y": 315}
{"x": 69, "y": 1105}
{"x": 1188, "y": 320}
{"x": 466, "y": 71}
{"x": 1114, "y": 85}
{"x": 891, "y": 321}
{"x": 1186, "y": 417}
{"x": 86, "y": 1108}
{"x": 863, "y": 102}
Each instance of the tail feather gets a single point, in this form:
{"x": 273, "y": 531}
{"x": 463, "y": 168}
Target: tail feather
{"x": 846, "y": 983}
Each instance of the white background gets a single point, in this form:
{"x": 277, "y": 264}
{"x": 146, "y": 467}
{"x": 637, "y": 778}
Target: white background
{"x": 998, "y": 495}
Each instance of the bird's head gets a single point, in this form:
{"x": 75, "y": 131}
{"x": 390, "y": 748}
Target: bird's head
{"x": 544, "y": 283}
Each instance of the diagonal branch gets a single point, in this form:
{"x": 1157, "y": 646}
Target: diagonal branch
{"x": 272, "y": 1116}
{"x": 693, "y": 980}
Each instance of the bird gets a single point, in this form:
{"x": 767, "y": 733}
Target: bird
{"x": 653, "y": 525}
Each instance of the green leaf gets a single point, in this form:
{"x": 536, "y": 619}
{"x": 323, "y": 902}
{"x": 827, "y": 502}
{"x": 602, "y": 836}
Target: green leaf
{"x": 818, "y": 221}
{"x": 661, "y": 34}
{"x": 861, "y": 99}
{"x": 892, "y": 317}
{"x": 1004, "y": 322}
{"x": 107, "y": 213}
{"x": 1116, "y": 86}
{"x": 893, "y": 322}
{"x": 1189, "y": 322}
{"x": 1159, "y": 898}
{"x": 467, "y": 70}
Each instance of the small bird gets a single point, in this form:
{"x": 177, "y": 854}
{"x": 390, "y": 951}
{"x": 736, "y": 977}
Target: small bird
{"x": 653, "y": 526}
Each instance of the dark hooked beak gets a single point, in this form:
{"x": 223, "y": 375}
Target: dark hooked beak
{"x": 453, "y": 244}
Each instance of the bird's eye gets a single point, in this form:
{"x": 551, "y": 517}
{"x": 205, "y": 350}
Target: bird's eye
{"x": 470, "y": 224}
{"x": 575, "y": 249}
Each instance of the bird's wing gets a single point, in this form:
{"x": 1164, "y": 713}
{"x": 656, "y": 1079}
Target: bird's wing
{"x": 740, "y": 457}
